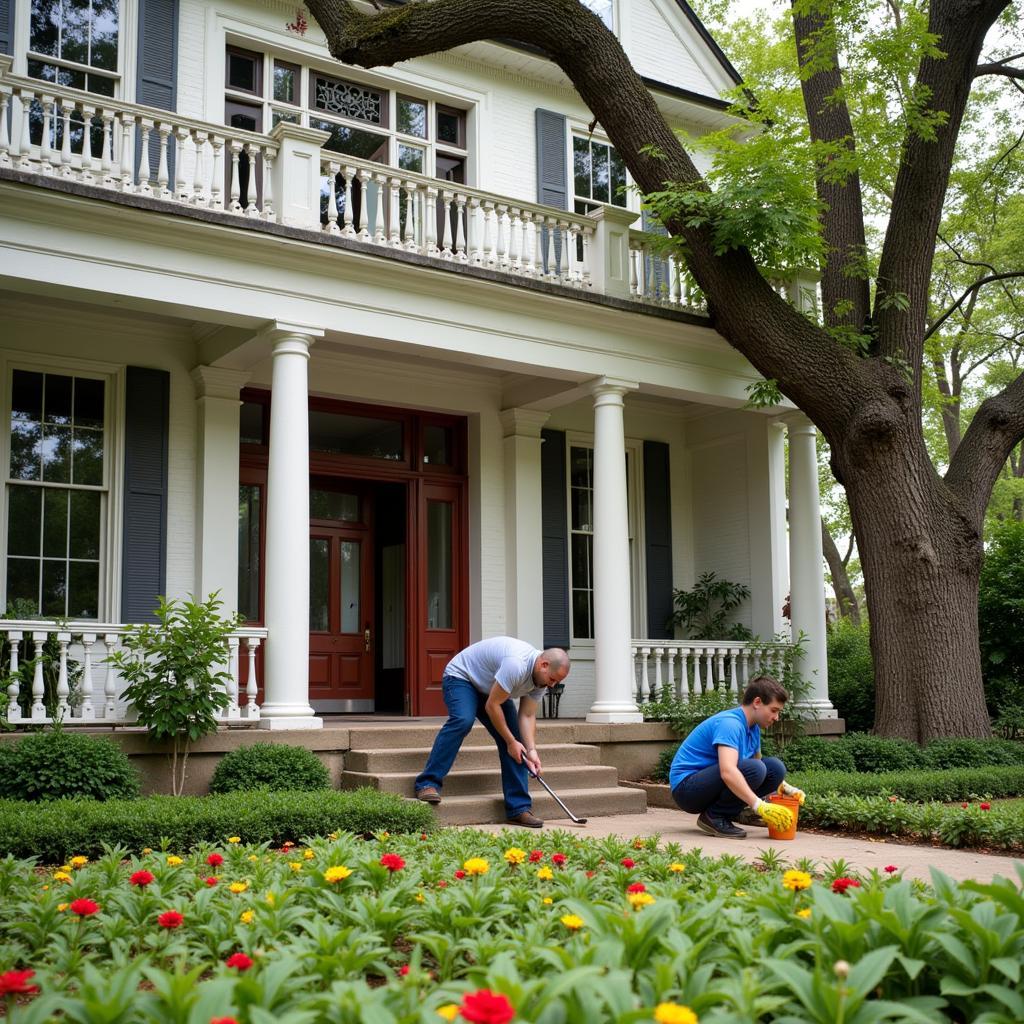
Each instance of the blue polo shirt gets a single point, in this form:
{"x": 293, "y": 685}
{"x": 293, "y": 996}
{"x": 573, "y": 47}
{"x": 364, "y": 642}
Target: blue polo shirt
{"x": 700, "y": 749}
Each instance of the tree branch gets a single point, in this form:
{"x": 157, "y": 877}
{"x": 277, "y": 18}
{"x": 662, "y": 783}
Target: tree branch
{"x": 971, "y": 290}
{"x": 1000, "y": 67}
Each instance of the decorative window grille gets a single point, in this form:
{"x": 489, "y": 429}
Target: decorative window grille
{"x": 349, "y": 100}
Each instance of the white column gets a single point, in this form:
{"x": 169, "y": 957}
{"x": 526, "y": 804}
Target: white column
{"x": 217, "y": 408}
{"x": 524, "y": 576}
{"x": 613, "y": 662}
{"x": 286, "y": 599}
{"x": 806, "y": 576}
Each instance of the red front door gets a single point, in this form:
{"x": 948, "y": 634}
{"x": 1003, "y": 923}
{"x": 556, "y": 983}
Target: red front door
{"x": 341, "y": 640}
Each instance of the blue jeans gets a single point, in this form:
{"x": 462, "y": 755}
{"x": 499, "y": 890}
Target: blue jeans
{"x": 465, "y": 704}
{"x": 706, "y": 791}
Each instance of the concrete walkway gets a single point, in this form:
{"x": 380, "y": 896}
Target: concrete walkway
{"x": 863, "y": 854}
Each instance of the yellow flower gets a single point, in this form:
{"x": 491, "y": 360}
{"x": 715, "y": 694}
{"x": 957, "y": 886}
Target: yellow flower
{"x": 796, "y": 880}
{"x": 476, "y": 866}
{"x": 45, "y": 887}
{"x": 270, "y": 898}
{"x": 62, "y": 907}
{"x": 79, "y": 861}
{"x": 805, "y": 913}
{"x": 333, "y": 835}
{"x": 449, "y": 1011}
{"x": 677, "y": 868}
{"x": 234, "y": 839}
{"x": 420, "y": 897}
{"x": 639, "y": 900}
{"x": 514, "y": 855}
{"x": 237, "y": 887}
{"x": 308, "y": 854}
{"x": 247, "y": 916}
{"x": 547, "y": 901}
{"x": 572, "y": 922}
{"x": 295, "y": 865}
{"x": 336, "y": 874}
{"x": 545, "y": 874}
{"x": 61, "y": 876}
{"x": 253, "y": 857}
{"x": 173, "y": 861}
{"x": 638, "y": 844}
{"x": 674, "y": 1013}
{"x": 741, "y": 892}
{"x": 147, "y": 849}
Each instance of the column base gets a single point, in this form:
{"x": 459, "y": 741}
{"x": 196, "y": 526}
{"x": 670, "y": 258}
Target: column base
{"x": 817, "y": 708}
{"x": 605, "y": 714}
{"x": 289, "y": 717}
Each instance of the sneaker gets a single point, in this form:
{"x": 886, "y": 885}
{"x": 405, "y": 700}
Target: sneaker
{"x": 428, "y": 795}
{"x": 527, "y": 820}
{"x": 721, "y": 827}
{"x": 748, "y": 816}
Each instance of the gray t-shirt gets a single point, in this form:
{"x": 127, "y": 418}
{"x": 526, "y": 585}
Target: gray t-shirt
{"x": 502, "y": 660}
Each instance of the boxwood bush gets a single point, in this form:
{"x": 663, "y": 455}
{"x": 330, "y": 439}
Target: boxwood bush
{"x": 952, "y": 784}
{"x": 269, "y": 766}
{"x": 60, "y": 829}
{"x": 58, "y": 764}
{"x": 966, "y": 753}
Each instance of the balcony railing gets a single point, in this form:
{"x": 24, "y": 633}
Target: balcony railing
{"x": 685, "y": 669}
{"x": 61, "y": 671}
{"x": 287, "y": 177}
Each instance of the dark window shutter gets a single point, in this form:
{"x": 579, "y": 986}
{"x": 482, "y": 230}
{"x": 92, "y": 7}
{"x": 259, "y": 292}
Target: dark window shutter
{"x": 6, "y": 26}
{"x": 554, "y": 538}
{"x": 658, "y": 539}
{"x": 144, "y": 550}
{"x": 552, "y": 147}
{"x": 157, "y": 69}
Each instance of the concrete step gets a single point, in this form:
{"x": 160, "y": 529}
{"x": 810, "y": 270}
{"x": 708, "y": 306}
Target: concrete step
{"x": 487, "y": 780}
{"x": 584, "y": 803}
{"x": 383, "y": 737}
{"x": 472, "y": 755}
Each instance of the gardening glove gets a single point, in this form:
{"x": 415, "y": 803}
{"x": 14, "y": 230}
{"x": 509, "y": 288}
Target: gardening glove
{"x": 776, "y": 815}
{"x": 797, "y": 794}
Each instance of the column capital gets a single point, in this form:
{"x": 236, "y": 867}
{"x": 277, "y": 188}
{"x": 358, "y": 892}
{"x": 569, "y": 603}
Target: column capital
{"x": 798, "y": 423}
{"x": 284, "y": 333}
{"x": 611, "y": 387}
{"x": 523, "y": 422}
{"x": 218, "y": 382}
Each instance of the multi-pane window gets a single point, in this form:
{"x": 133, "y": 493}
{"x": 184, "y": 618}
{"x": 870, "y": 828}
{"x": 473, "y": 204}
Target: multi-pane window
{"x": 74, "y": 43}
{"x": 56, "y": 494}
{"x": 599, "y": 175}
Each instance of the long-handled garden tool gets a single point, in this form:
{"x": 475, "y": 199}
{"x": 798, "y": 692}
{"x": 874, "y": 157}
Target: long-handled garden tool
{"x": 558, "y": 800}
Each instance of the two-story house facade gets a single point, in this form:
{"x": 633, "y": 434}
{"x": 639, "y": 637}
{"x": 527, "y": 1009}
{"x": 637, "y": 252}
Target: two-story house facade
{"x": 383, "y": 357}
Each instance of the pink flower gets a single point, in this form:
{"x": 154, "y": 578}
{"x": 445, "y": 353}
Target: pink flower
{"x": 392, "y": 862}
{"x": 985, "y": 807}
{"x": 15, "y": 983}
{"x": 558, "y": 859}
{"x": 536, "y": 855}
{"x": 239, "y": 961}
{"x": 628, "y": 862}
{"x": 223, "y": 1020}
{"x": 212, "y": 881}
{"x": 890, "y": 868}
{"x": 486, "y": 1007}
{"x": 171, "y": 919}
{"x": 84, "y": 907}
{"x": 840, "y": 885}
{"x": 636, "y": 887}
{"x": 442, "y": 884}
{"x": 142, "y": 878}
{"x": 215, "y": 860}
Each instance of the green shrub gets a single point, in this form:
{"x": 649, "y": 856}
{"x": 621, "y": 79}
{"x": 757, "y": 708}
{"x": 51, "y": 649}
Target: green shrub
{"x": 851, "y": 675}
{"x": 876, "y": 754}
{"x": 60, "y": 829}
{"x": 968, "y": 753}
{"x": 1001, "y": 618}
{"x": 949, "y": 785}
{"x": 270, "y": 766}
{"x": 685, "y": 715}
{"x": 813, "y": 752}
{"x": 58, "y": 764}
{"x": 660, "y": 773}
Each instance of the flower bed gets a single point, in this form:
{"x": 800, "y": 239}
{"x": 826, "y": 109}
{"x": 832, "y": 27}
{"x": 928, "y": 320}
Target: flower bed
{"x": 458, "y": 925}
{"x": 951, "y": 784}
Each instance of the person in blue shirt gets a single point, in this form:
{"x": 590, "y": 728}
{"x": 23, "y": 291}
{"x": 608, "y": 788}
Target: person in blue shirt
{"x": 718, "y": 772}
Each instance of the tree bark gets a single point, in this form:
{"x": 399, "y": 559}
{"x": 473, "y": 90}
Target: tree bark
{"x": 846, "y": 599}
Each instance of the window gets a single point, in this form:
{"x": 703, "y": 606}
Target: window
{"x": 56, "y": 494}
{"x": 74, "y": 43}
{"x": 599, "y": 175}
{"x": 603, "y": 9}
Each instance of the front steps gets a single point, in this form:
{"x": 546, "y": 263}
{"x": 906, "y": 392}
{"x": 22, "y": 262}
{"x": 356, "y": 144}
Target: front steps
{"x": 390, "y": 758}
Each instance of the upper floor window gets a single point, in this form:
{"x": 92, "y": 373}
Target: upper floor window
{"x": 604, "y": 9}
{"x": 599, "y": 175}
{"x": 74, "y": 43}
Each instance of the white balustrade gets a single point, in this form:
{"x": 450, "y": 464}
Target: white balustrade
{"x": 661, "y": 279}
{"x": 81, "y": 647}
{"x": 685, "y": 669}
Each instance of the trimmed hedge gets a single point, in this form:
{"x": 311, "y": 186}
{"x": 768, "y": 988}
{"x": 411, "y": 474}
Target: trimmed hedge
{"x": 54, "y": 831}
{"x": 954, "y": 784}
{"x": 269, "y": 766}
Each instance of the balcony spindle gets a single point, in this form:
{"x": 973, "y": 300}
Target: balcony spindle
{"x": 200, "y": 195}
{"x": 86, "y": 710}
{"x": 14, "y": 638}
{"x": 383, "y": 198}
{"x": 460, "y": 228}
{"x": 88, "y": 163}
{"x": 733, "y": 681}
{"x": 63, "y": 690}
{"x": 588, "y": 236}
{"x": 670, "y": 673}
{"x": 332, "y": 200}
{"x": 347, "y": 230}
{"x": 24, "y": 148}
{"x": 413, "y": 205}
{"x": 269, "y": 156}
{"x": 182, "y": 192}
{"x": 673, "y": 274}
{"x": 430, "y": 223}
{"x": 127, "y": 122}
{"x": 162, "y": 174}
{"x": 145, "y": 166}
{"x": 231, "y": 683}
{"x": 45, "y": 145}
{"x": 489, "y": 255}
{"x": 217, "y": 174}
{"x": 394, "y": 213}
{"x": 476, "y": 255}
{"x": 252, "y": 644}
{"x": 720, "y": 654}
{"x": 501, "y": 243}
{"x": 109, "y": 682}
{"x": 236, "y": 190}
{"x": 447, "y": 249}
{"x": 252, "y": 151}
{"x": 5, "y": 136}
{"x": 38, "y": 689}
{"x": 645, "y": 682}
{"x": 362, "y": 230}
{"x": 659, "y": 654}
{"x": 107, "y": 149}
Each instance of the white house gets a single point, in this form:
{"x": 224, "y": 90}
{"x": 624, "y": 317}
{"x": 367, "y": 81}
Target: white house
{"x": 382, "y": 356}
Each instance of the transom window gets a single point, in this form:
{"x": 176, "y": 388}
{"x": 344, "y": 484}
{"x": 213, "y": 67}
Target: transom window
{"x": 74, "y": 43}
{"x": 56, "y": 494}
{"x": 599, "y": 174}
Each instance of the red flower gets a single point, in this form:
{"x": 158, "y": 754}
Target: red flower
{"x": 84, "y": 907}
{"x": 442, "y": 884}
{"x": 636, "y": 887}
{"x": 223, "y": 1020}
{"x": 486, "y": 1007}
{"x": 536, "y": 855}
{"x": 239, "y": 961}
{"x": 460, "y": 873}
{"x": 215, "y": 860}
{"x": 628, "y": 862}
{"x": 964, "y": 806}
{"x": 590, "y": 874}
{"x": 890, "y": 868}
{"x": 403, "y": 970}
{"x": 392, "y": 862}
{"x": 423, "y": 837}
{"x": 840, "y": 885}
{"x": 16, "y": 983}
{"x": 142, "y": 878}
{"x": 171, "y": 919}
{"x": 985, "y": 807}
{"x": 211, "y": 881}
{"x": 558, "y": 859}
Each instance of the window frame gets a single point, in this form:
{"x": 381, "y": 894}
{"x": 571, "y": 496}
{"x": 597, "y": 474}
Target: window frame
{"x": 111, "y": 512}
{"x": 581, "y": 131}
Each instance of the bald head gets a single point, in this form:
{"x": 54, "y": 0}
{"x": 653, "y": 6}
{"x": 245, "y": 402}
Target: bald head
{"x": 551, "y": 667}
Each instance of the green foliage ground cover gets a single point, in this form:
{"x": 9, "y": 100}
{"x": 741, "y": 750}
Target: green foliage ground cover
{"x": 398, "y": 929}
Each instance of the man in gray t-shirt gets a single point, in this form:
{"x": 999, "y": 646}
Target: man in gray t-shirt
{"x": 481, "y": 682}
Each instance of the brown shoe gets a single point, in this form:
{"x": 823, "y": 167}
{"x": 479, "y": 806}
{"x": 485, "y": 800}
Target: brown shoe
{"x": 527, "y": 820}
{"x": 428, "y": 795}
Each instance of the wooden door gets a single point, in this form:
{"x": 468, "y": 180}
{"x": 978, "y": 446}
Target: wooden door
{"x": 341, "y": 600}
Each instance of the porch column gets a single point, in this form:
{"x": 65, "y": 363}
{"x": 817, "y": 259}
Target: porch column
{"x": 613, "y": 662}
{"x": 806, "y": 576}
{"x": 217, "y": 407}
{"x": 286, "y": 669}
{"x": 524, "y": 573}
